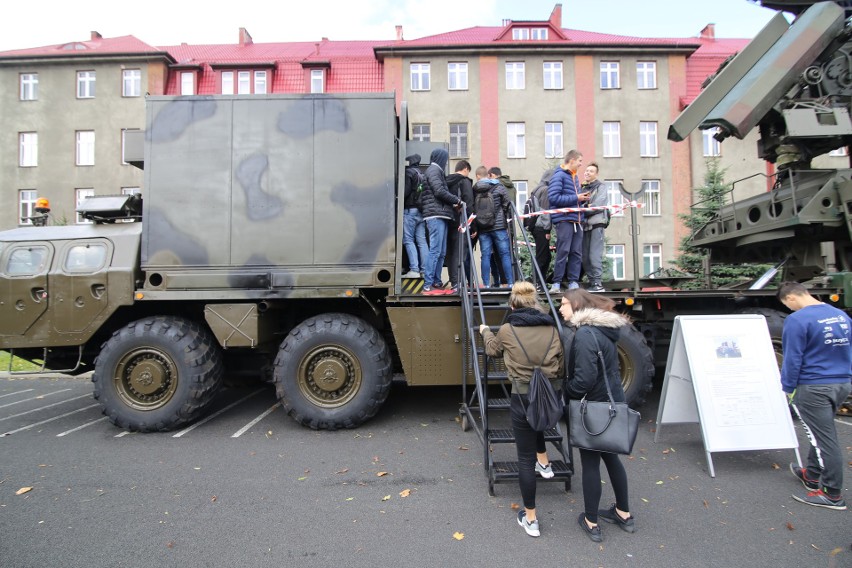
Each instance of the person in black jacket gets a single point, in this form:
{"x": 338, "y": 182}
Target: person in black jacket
{"x": 413, "y": 227}
{"x": 597, "y": 326}
{"x": 460, "y": 185}
{"x": 437, "y": 205}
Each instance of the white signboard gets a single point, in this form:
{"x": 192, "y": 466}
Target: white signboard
{"x": 722, "y": 373}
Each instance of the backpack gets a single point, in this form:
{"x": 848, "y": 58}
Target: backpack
{"x": 414, "y": 183}
{"x": 545, "y": 405}
{"x": 539, "y": 201}
{"x": 485, "y": 208}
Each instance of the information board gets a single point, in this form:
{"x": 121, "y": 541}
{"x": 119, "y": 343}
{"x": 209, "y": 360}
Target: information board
{"x": 722, "y": 373}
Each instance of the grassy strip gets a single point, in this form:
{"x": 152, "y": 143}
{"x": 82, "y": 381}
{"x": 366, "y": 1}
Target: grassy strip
{"x": 18, "y": 363}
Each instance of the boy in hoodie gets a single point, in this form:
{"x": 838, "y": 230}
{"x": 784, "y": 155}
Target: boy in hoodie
{"x": 593, "y": 229}
{"x": 413, "y": 228}
{"x": 437, "y": 205}
{"x": 460, "y": 185}
{"x": 564, "y": 191}
{"x": 494, "y": 235}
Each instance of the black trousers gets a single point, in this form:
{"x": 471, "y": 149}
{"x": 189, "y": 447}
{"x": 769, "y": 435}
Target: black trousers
{"x": 528, "y": 442}
{"x": 542, "y": 251}
{"x": 590, "y": 461}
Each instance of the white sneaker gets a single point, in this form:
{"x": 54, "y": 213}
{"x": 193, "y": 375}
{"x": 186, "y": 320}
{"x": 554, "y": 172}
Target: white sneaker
{"x": 555, "y": 289}
{"x": 411, "y": 274}
{"x": 573, "y": 285}
{"x": 543, "y": 470}
{"x": 530, "y": 527}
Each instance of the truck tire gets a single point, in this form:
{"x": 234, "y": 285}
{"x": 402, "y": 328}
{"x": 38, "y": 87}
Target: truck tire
{"x": 157, "y": 374}
{"x": 636, "y": 363}
{"x": 333, "y": 371}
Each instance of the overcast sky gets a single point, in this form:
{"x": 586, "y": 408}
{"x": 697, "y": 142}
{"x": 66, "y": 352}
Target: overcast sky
{"x": 162, "y": 23}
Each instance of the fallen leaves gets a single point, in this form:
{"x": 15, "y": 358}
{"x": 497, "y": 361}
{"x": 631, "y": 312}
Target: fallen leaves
{"x": 405, "y": 493}
{"x": 23, "y": 490}
{"x": 341, "y": 471}
{"x": 381, "y": 474}
{"x": 514, "y": 506}
{"x": 458, "y": 535}
{"x": 386, "y": 498}
{"x": 776, "y": 466}
{"x": 790, "y": 526}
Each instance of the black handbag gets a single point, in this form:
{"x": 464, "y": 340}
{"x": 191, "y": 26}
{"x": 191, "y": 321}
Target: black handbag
{"x": 545, "y": 406}
{"x": 602, "y": 426}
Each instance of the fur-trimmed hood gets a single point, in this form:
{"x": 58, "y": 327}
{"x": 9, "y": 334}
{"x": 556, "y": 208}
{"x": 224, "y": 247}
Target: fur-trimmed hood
{"x": 598, "y": 317}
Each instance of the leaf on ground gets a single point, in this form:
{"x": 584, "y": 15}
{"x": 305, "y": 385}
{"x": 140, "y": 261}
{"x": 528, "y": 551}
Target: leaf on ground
{"x": 458, "y": 535}
{"x": 776, "y": 466}
{"x": 344, "y": 470}
{"x": 666, "y": 451}
{"x": 644, "y": 500}
{"x": 423, "y": 424}
{"x": 405, "y": 493}
{"x": 514, "y": 506}
{"x": 815, "y": 547}
{"x": 170, "y": 544}
{"x": 302, "y": 478}
{"x": 659, "y": 482}
{"x": 835, "y": 552}
{"x": 464, "y": 448}
{"x": 386, "y": 498}
{"x": 350, "y": 498}
{"x": 214, "y": 499}
{"x": 706, "y": 504}
{"x": 23, "y": 490}
{"x": 790, "y": 526}
{"x": 381, "y": 474}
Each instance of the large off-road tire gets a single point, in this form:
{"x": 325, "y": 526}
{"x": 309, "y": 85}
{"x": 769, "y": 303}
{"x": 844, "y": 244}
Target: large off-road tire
{"x": 333, "y": 371}
{"x": 157, "y": 374}
{"x": 636, "y": 362}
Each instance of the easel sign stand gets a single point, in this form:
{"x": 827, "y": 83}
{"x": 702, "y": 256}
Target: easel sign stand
{"x": 722, "y": 373}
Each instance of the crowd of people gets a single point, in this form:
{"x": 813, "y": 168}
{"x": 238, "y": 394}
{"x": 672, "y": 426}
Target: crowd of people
{"x": 433, "y": 208}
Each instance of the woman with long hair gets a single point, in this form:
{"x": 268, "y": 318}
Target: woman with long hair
{"x": 597, "y": 326}
{"x": 528, "y": 339}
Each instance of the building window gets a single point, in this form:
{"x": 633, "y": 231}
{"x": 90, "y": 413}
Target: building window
{"x": 646, "y": 74}
{"x": 552, "y": 74}
{"x": 538, "y": 33}
{"x": 553, "y": 140}
{"x": 244, "y": 83}
{"x": 611, "y": 139}
{"x": 515, "y": 75}
{"x": 652, "y": 258}
{"x": 85, "y": 84}
{"x": 458, "y": 140}
{"x": 651, "y": 195}
{"x": 457, "y": 76}
{"x": 85, "y": 147}
{"x": 529, "y": 33}
{"x": 130, "y": 191}
{"x": 420, "y": 77}
{"x": 615, "y": 254}
{"x": 648, "y": 139}
{"x": 247, "y": 82}
{"x": 712, "y": 147}
{"x": 521, "y": 33}
{"x": 515, "y": 145}
{"x": 520, "y": 194}
{"x": 26, "y": 205}
{"x": 609, "y": 75}
{"x": 837, "y": 152}
{"x": 614, "y": 196}
{"x": 28, "y": 149}
{"x": 131, "y": 83}
{"x": 187, "y": 83}
{"x": 260, "y": 82}
{"x": 317, "y": 80}
{"x": 421, "y": 132}
{"x": 227, "y": 78}
{"x": 124, "y": 132}
{"x": 29, "y": 86}
{"x": 80, "y": 196}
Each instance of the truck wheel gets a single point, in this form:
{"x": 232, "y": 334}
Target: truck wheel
{"x": 775, "y": 322}
{"x": 636, "y": 362}
{"x": 333, "y": 371}
{"x": 157, "y": 374}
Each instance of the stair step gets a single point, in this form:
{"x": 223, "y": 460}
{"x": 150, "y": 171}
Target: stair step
{"x": 509, "y": 470}
{"x": 507, "y": 436}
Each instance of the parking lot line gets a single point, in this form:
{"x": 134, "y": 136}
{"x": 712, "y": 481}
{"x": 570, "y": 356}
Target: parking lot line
{"x": 242, "y": 430}
{"x": 14, "y": 393}
{"x": 215, "y": 414}
{"x": 122, "y": 434}
{"x": 843, "y": 422}
{"x": 34, "y": 398}
{"x": 43, "y": 407}
{"x": 81, "y": 427}
{"x": 48, "y": 420}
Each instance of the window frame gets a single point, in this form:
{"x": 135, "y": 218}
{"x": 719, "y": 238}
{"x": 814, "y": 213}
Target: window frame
{"x": 260, "y": 82}
{"x": 86, "y": 83}
{"x": 423, "y": 72}
{"x": 652, "y": 255}
{"x": 648, "y": 72}
{"x": 611, "y": 139}
{"x": 552, "y": 75}
{"x": 651, "y": 198}
{"x": 85, "y": 154}
{"x": 80, "y": 193}
{"x": 459, "y": 140}
{"x": 710, "y": 147}
{"x": 611, "y": 70}
{"x": 516, "y": 71}
{"x": 88, "y": 268}
{"x": 647, "y": 137}
{"x": 28, "y": 86}
{"x": 184, "y": 75}
{"x": 516, "y": 143}
{"x": 614, "y": 195}
{"x": 421, "y": 131}
{"x": 317, "y": 74}
{"x": 131, "y": 83}
{"x": 28, "y": 149}
{"x": 521, "y": 193}
{"x": 617, "y": 260}
{"x": 551, "y": 138}
{"x": 457, "y": 73}
{"x": 26, "y": 206}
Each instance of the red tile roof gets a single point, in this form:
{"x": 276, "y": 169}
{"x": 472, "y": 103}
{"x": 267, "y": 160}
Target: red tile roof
{"x": 94, "y": 47}
{"x": 705, "y": 61}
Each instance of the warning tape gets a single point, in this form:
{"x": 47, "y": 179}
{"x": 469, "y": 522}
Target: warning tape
{"x": 615, "y": 209}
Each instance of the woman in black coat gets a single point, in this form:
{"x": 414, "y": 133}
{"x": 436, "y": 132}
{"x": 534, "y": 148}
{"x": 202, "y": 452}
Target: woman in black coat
{"x": 597, "y": 326}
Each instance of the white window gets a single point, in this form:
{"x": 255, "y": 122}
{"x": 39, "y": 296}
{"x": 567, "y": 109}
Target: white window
{"x": 553, "y": 140}
{"x": 244, "y": 83}
{"x": 420, "y": 77}
{"x": 538, "y": 33}
{"x": 646, "y": 74}
{"x": 651, "y": 197}
{"x": 187, "y": 83}
{"x": 615, "y": 254}
{"x": 515, "y": 144}
{"x": 85, "y": 147}
{"x": 520, "y": 194}
{"x": 81, "y": 195}
{"x": 611, "y": 139}
{"x": 85, "y": 84}
{"x": 131, "y": 83}
{"x": 26, "y": 205}
{"x": 421, "y": 132}
{"x": 521, "y": 33}
{"x": 227, "y": 82}
{"x": 552, "y": 74}
{"x": 652, "y": 258}
{"x": 837, "y": 152}
{"x": 260, "y": 82}
{"x": 609, "y": 75}
{"x": 124, "y": 132}
{"x": 648, "y": 139}
{"x": 529, "y": 33}
{"x": 712, "y": 147}
{"x": 130, "y": 191}
{"x": 614, "y": 196}
{"x": 29, "y": 86}
{"x": 457, "y": 76}
{"x": 317, "y": 80}
{"x": 458, "y": 140}
{"x": 28, "y": 149}
{"x": 515, "y": 75}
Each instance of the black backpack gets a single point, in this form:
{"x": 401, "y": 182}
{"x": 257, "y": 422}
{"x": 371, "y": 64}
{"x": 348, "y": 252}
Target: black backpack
{"x": 485, "y": 208}
{"x": 545, "y": 407}
{"x": 414, "y": 183}
{"x": 539, "y": 201}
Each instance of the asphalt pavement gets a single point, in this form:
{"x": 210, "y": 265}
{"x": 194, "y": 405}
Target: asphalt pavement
{"x": 250, "y": 487}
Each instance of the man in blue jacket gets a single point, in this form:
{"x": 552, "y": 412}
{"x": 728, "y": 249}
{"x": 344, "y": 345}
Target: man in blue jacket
{"x": 564, "y": 191}
{"x": 816, "y": 376}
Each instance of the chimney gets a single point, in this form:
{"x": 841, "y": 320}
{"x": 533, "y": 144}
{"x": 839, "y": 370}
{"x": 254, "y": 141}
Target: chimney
{"x": 556, "y": 17}
{"x": 96, "y": 36}
{"x": 316, "y": 48}
{"x": 245, "y": 37}
{"x": 399, "y": 33}
{"x": 709, "y": 32}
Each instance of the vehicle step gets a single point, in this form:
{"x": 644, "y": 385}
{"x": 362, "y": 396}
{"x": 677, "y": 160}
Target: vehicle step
{"x": 507, "y": 436}
{"x": 507, "y": 470}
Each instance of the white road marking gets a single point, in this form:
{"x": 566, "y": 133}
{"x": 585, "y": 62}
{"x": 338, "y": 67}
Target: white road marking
{"x": 123, "y": 434}
{"x": 14, "y": 393}
{"x": 215, "y": 414}
{"x": 43, "y": 407}
{"x": 243, "y": 430}
{"x": 34, "y": 398}
{"x": 842, "y": 422}
{"x": 48, "y": 420}
{"x": 81, "y": 427}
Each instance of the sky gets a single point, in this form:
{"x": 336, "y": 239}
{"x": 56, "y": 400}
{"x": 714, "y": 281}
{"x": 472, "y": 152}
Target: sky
{"x": 164, "y": 23}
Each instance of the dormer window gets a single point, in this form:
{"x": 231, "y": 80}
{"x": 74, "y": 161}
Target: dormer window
{"x": 529, "y": 33}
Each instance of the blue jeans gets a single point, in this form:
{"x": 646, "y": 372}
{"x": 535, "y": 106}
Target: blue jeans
{"x": 498, "y": 239}
{"x": 569, "y": 252}
{"x": 437, "y": 251}
{"x": 414, "y": 230}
